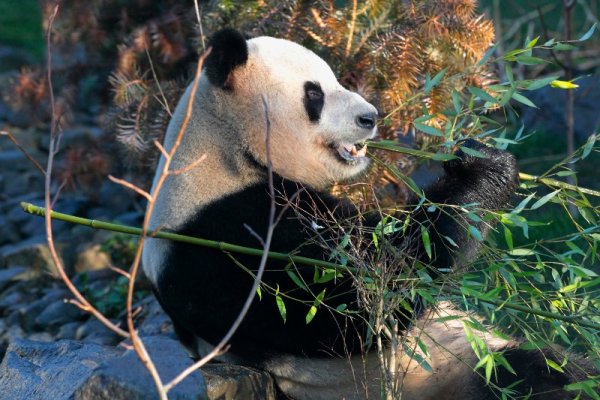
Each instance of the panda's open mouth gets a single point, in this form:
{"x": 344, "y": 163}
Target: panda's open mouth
{"x": 350, "y": 153}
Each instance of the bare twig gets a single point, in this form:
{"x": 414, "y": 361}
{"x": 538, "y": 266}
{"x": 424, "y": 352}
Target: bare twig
{"x": 570, "y": 105}
{"x": 32, "y": 209}
{"x": 199, "y": 18}
{"x": 120, "y": 271}
{"x": 352, "y": 28}
{"x": 80, "y": 300}
{"x": 130, "y": 186}
{"x": 188, "y": 167}
{"x": 137, "y": 343}
{"x": 22, "y": 150}
{"x": 219, "y": 348}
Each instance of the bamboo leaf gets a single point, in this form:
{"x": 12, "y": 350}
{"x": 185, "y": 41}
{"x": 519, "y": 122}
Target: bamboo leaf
{"x": 524, "y": 100}
{"x": 472, "y": 152}
{"x": 475, "y": 233}
{"x": 482, "y": 94}
{"x": 430, "y": 130}
{"x": 530, "y": 60}
{"x": 426, "y": 241}
{"x": 587, "y": 149}
{"x": 540, "y": 83}
{"x": 297, "y": 280}
{"x": 588, "y": 34}
{"x": 281, "y": 307}
{"x": 431, "y": 83}
{"x": 544, "y": 199}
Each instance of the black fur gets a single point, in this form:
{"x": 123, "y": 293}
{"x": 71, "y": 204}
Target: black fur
{"x": 228, "y": 51}
{"x": 533, "y": 375}
{"x": 203, "y": 290}
{"x": 314, "y": 100}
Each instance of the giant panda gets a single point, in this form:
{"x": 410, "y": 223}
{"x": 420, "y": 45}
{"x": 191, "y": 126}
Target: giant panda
{"x": 316, "y": 130}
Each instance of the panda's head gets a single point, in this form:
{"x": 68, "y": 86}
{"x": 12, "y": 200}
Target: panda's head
{"x": 318, "y": 128}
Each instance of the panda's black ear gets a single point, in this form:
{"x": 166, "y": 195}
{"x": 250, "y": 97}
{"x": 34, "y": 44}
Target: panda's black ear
{"x": 229, "y": 50}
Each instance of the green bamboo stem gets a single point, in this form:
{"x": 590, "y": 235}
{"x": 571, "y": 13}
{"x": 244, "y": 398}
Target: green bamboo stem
{"x": 393, "y": 147}
{"x": 40, "y": 211}
{"x": 223, "y": 246}
{"x": 558, "y": 184}
{"x": 501, "y": 303}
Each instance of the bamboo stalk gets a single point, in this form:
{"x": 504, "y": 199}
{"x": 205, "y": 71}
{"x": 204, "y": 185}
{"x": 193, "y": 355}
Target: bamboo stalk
{"x": 40, "y": 211}
{"x": 558, "y": 184}
{"x": 223, "y": 246}
{"x": 394, "y": 147}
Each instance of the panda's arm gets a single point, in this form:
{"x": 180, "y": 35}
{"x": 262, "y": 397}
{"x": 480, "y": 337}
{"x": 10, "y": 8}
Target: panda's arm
{"x": 487, "y": 183}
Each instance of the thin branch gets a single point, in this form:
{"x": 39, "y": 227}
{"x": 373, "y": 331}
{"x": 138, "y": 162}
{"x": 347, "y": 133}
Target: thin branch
{"x": 137, "y": 343}
{"x": 223, "y": 246}
{"x": 120, "y": 271}
{"x": 165, "y": 103}
{"x": 35, "y": 210}
{"x": 352, "y": 28}
{"x": 80, "y": 299}
{"x": 219, "y": 348}
{"x": 188, "y": 167}
{"x": 199, "y": 18}
{"x": 558, "y": 184}
{"x": 22, "y": 150}
{"x": 162, "y": 149}
{"x": 130, "y": 186}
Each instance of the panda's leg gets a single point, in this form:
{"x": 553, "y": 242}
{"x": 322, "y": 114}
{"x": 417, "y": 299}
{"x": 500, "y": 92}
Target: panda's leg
{"x": 452, "y": 361}
{"x": 533, "y": 375}
{"x": 187, "y": 339}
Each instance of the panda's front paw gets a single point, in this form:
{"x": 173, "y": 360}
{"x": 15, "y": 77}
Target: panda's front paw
{"x": 497, "y": 162}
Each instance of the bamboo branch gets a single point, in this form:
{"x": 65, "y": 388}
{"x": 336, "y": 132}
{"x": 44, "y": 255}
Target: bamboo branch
{"x": 223, "y": 246}
{"x": 396, "y": 148}
{"x": 80, "y": 300}
{"x": 39, "y": 211}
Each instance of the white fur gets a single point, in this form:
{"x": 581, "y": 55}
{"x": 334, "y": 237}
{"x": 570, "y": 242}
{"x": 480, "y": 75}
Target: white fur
{"x": 225, "y": 123}
{"x": 449, "y": 355}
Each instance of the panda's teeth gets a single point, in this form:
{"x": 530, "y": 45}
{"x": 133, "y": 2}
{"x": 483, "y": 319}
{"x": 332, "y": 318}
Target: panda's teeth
{"x": 351, "y": 152}
{"x": 363, "y": 151}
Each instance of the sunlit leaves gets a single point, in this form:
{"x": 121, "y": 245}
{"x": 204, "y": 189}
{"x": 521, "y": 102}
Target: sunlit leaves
{"x": 313, "y": 309}
{"x": 563, "y": 84}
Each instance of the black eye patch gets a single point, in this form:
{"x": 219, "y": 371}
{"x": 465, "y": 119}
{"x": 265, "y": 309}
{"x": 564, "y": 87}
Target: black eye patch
{"x": 314, "y": 99}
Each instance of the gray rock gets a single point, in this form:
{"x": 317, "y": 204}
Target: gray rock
{"x": 8, "y": 232}
{"x": 33, "y": 254}
{"x": 29, "y": 314}
{"x": 13, "y": 160}
{"x": 33, "y": 370}
{"x": 10, "y": 301}
{"x": 92, "y": 326}
{"x": 58, "y": 313}
{"x": 229, "y": 382}
{"x": 107, "y": 338}
{"x": 8, "y": 276}
{"x": 16, "y": 185}
{"x": 44, "y": 337}
{"x": 125, "y": 378}
{"x": 12, "y": 333}
{"x": 68, "y": 330}
{"x": 152, "y": 320}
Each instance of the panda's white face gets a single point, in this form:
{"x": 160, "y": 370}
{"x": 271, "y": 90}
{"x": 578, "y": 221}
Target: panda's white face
{"x": 318, "y": 128}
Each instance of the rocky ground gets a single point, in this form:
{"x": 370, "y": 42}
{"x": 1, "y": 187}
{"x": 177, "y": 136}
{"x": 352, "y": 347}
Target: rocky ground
{"x": 50, "y": 349}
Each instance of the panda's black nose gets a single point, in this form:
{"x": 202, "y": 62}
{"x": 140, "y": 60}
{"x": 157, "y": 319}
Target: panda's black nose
{"x": 366, "y": 121}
